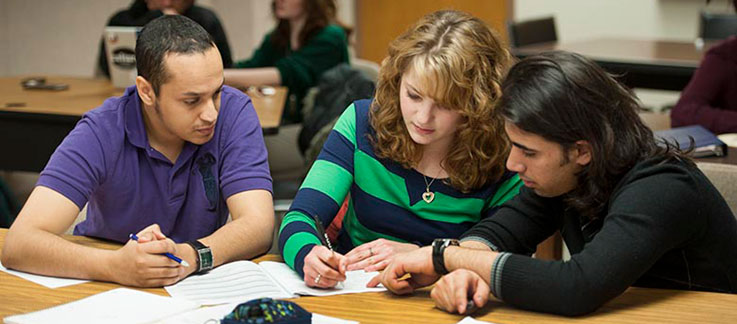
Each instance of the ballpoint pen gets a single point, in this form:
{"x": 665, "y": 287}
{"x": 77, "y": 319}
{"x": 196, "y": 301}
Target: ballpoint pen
{"x": 167, "y": 254}
{"x": 321, "y": 232}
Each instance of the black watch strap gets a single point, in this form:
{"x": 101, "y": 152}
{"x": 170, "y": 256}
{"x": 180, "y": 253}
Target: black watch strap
{"x": 438, "y": 259}
{"x": 204, "y": 256}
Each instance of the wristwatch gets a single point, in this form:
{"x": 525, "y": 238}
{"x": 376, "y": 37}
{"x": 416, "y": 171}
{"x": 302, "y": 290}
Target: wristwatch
{"x": 204, "y": 256}
{"x": 438, "y": 260}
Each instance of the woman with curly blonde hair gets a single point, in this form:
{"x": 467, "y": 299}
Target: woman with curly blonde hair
{"x": 424, "y": 159}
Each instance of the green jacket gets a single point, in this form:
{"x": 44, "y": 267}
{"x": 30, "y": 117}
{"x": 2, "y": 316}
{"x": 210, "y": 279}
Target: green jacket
{"x": 301, "y": 69}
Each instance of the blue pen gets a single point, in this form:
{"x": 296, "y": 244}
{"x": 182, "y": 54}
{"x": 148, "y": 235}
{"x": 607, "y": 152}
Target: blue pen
{"x": 167, "y": 254}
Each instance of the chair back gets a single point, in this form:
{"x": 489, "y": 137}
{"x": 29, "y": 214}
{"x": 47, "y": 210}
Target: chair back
{"x": 717, "y": 26}
{"x": 532, "y": 32}
{"x": 724, "y": 178}
{"x": 368, "y": 68}
{"x": 656, "y": 121}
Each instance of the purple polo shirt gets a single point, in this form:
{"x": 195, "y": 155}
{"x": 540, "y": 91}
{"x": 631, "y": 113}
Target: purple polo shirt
{"x": 106, "y": 160}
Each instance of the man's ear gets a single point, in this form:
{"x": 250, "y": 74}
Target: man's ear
{"x": 582, "y": 152}
{"x": 145, "y": 91}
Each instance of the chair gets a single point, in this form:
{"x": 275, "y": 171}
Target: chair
{"x": 724, "y": 178}
{"x": 656, "y": 120}
{"x": 532, "y": 32}
{"x": 369, "y": 68}
{"x": 715, "y": 26}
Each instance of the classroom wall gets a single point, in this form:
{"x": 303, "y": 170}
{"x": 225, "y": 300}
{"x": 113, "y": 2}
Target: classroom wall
{"x": 644, "y": 19}
{"x": 3, "y": 36}
{"x": 53, "y": 37}
{"x": 45, "y": 37}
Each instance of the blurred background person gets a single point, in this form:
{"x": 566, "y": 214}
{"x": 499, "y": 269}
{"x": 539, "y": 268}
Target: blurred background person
{"x": 142, "y": 11}
{"x": 307, "y": 41}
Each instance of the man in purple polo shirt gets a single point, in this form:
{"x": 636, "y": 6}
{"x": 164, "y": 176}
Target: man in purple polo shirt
{"x": 166, "y": 161}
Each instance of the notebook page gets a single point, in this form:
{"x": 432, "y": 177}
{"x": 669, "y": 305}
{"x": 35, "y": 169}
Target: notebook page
{"x": 234, "y": 282}
{"x": 120, "y": 305}
{"x": 355, "y": 281}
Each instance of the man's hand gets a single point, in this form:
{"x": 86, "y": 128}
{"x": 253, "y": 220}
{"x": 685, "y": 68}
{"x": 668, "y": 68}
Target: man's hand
{"x": 142, "y": 264}
{"x": 375, "y": 255}
{"x": 417, "y": 263}
{"x": 322, "y": 268}
{"x": 454, "y": 290}
{"x": 150, "y": 233}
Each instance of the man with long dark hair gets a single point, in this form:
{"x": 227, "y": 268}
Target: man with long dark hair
{"x": 632, "y": 212}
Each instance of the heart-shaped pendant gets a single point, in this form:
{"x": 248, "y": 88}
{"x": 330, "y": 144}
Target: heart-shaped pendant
{"x": 428, "y": 196}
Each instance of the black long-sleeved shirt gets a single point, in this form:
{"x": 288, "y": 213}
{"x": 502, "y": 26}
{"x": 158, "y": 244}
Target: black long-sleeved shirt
{"x": 138, "y": 15}
{"x": 665, "y": 226}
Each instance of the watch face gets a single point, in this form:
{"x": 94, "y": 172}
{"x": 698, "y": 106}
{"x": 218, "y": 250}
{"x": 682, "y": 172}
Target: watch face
{"x": 205, "y": 259}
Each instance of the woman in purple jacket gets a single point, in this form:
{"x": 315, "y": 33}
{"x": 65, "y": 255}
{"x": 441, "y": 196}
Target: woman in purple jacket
{"x": 710, "y": 99}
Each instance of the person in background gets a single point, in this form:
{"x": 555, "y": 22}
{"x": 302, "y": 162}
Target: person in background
{"x": 142, "y": 11}
{"x": 423, "y": 159}
{"x": 307, "y": 41}
{"x": 631, "y": 211}
{"x": 169, "y": 161}
{"x": 710, "y": 98}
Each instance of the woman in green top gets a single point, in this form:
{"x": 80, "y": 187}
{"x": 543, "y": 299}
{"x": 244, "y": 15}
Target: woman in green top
{"x": 423, "y": 160}
{"x": 307, "y": 41}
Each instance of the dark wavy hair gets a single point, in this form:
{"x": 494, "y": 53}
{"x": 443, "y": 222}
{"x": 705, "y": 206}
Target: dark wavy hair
{"x": 564, "y": 97}
{"x": 320, "y": 13}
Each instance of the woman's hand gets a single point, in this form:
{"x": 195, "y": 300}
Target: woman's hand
{"x": 375, "y": 255}
{"x": 322, "y": 268}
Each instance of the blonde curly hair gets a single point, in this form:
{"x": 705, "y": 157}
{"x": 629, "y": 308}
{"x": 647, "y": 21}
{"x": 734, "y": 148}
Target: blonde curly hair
{"x": 461, "y": 63}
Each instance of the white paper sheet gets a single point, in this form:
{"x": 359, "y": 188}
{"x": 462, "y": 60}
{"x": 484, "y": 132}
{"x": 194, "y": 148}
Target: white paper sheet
{"x": 234, "y": 282}
{"x": 355, "y": 281}
{"x": 241, "y": 281}
{"x": 49, "y": 282}
{"x": 120, "y": 305}
{"x": 471, "y": 320}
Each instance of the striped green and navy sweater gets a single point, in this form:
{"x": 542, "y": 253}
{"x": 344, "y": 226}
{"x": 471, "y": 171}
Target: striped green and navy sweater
{"x": 385, "y": 198}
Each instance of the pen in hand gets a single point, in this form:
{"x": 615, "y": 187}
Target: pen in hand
{"x": 167, "y": 254}
{"x": 321, "y": 231}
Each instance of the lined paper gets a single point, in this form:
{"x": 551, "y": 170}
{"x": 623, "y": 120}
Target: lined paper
{"x": 233, "y": 282}
{"x": 241, "y": 281}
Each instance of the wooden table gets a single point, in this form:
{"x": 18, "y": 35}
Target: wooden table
{"x": 636, "y": 305}
{"x": 34, "y": 122}
{"x": 654, "y": 64}
{"x": 730, "y": 158}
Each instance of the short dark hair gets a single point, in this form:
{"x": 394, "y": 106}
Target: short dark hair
{"x": 164, "y": 35}
{"x": 565, "y": 97}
